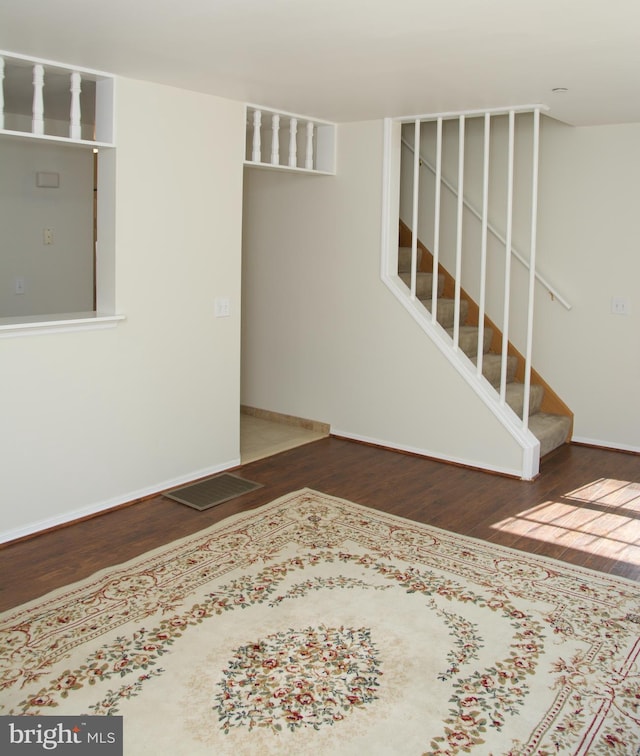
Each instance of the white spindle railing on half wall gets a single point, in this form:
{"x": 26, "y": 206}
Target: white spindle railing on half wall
{"x": 44, "y": 99}
{"x": 289, "y": 141}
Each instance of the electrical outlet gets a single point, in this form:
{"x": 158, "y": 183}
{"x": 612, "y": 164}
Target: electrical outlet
{"x": 47, "y": 236}
{"x": 619, "y": 305}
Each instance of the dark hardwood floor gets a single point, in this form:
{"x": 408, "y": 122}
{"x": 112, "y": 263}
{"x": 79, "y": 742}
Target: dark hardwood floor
{"x": 584, "y": 508}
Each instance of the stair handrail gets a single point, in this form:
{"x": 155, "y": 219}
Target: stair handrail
{"x": 492, "y": 229}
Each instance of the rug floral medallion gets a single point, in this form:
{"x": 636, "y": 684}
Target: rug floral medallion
{"x": 313, "y": 625}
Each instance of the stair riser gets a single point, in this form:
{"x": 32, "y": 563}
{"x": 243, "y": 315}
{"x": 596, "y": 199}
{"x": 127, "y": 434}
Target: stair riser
{"x": 515, "y": 398}
{"x": 446, "y": 311}
{"x": 491, "y": 369}
{"x": 468, "y": 340}
{"x": 404, "y": 259}
{"x": 424, "y": 284}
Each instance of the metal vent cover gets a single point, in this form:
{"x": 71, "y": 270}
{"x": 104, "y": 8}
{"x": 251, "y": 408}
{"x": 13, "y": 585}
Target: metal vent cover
{"x": 212, "y": 491}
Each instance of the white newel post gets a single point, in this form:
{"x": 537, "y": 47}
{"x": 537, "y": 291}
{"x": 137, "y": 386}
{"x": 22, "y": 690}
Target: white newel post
{"x": 1, "y": 92}
{"x": 308, "y": 162}
{"x": 293, "y": 147}
{"x": 275, "y": 140}
{"x": 37, "y": 122}
{"x": 256, "y": 152}
{"x": 75, "y": 129}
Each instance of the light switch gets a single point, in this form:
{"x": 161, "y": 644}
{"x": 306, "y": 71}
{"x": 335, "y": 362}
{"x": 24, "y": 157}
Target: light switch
{"x": 222, "y": 307}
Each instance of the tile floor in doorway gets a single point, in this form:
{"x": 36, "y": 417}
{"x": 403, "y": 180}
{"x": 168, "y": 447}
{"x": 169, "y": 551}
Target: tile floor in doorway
{"x": 261, "y": 438}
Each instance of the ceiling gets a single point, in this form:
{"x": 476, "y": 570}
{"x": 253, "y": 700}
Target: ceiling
{"x": 349, "y": 60}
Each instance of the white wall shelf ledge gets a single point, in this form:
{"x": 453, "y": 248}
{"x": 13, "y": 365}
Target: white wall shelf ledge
{"x": 8, "y": 133}
{"x": 45, "y": 99}
{"x": 281, "y": 141}
{"x": 75, "y": 321}
{"x": 287, "y": 169}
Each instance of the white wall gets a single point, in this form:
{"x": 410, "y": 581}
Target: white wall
{"x": 59, "y": 277}
{"x": 589, "y": 243}
{"x": 323, "y": 338}
{"x": 92, "y": 419}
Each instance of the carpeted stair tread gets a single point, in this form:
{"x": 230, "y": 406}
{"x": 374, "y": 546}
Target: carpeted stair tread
{"x": 468, "y": 339}
{"x": 404, "y": 259}
{"x": 446, "y": 310}
{"x": 551, "y": 430}
{"x": 514, "y": 396}
{"x": 424, "y": 283}
{"x": 491, "y": 368}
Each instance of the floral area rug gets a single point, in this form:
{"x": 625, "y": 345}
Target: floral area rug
{"x": 316, "y": 626}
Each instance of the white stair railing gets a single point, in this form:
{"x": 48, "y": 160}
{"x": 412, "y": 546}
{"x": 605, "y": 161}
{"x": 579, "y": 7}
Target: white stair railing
{"x": 468, "y": 262}
{"x": 553, "y": 292}
{"x": 483, "y": 216}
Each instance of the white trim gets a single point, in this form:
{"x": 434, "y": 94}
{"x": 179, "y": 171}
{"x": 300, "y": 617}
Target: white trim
{"x": 482, "y": 466}
{"x": 38, "y": 324}
{"x": 286, "y": 113}
{"x": 65, "y": 67}
{"x": 56, "y": 139}
{"x": 116, "y": 501}
{"x": 287, "y": 168}
{"x": 471, "y": 113}
{"x": 613, "y": 445}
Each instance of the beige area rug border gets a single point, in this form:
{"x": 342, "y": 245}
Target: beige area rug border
{"x": 232, "y": 521}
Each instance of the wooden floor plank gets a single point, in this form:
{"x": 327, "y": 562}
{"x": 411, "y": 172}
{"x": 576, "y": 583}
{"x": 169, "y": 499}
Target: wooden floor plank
{"x": 503, "y": 510}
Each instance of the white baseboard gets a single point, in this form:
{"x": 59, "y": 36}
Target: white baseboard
{"x": 103, "y": 506}
{"x": 482, "y": 466}
{"x": 614, "y": 446}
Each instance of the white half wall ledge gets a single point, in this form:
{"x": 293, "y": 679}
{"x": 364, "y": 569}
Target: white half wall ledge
{"x": 428, "y": 454}
{"x": 37, "y": 324}
{"x": 68, "y": 518}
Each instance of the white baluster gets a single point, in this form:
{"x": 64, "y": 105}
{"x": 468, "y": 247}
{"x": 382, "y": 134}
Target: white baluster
{"x": 293, "y": 145}
{"x": 507, "y": 265}
{"x": 308, "y": 162}
{"x": 1, "y": 92}
{"x": 75, "y": 129}
{"x": 37, "y": 123}
{"x": 416, "y": 190}
{"x": 459, "y": 226}
{"x": 532, "y": 266}
{"x": 275, "y": 140}
{"x": 256, "y": 153}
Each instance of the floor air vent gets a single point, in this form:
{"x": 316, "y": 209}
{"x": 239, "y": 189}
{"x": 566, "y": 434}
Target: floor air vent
{"x": 212, "y": 491}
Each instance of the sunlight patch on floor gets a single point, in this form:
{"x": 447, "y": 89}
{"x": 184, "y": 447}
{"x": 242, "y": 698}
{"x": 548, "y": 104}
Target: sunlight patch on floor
{"x": 600, "y": 518}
